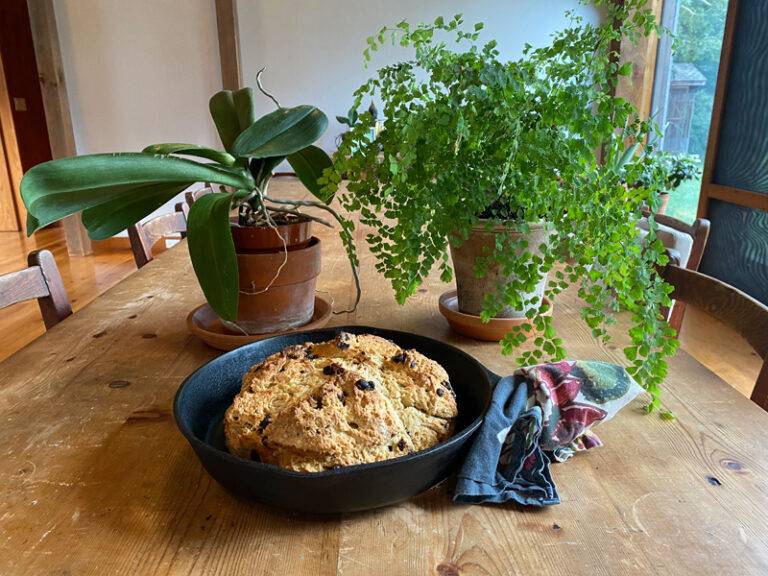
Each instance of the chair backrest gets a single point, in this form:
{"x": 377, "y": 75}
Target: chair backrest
{"x": 685, "y": 245}
{"x": 698, "y": 231}
{"x": 190, "y": 197}
{"x": 182, "y": 207}
{"x": 41, "y": 280}
{"x": 143, "y": 236}
{"x": 671, "y": 231}
{"x": 732, "y": 307}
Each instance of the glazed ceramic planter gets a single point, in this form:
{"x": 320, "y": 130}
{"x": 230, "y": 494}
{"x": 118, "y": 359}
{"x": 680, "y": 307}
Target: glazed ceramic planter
{"x": 268, "y": 301}
{"x": 471, "y": 290}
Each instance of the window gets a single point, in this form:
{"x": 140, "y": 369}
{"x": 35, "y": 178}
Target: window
{"x": 684, "y": 86}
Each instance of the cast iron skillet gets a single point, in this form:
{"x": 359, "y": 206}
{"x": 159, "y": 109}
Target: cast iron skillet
{"x": 204, "y": 396}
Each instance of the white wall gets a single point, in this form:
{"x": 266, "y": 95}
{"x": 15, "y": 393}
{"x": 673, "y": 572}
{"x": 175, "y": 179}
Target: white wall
{"x": 139, "y": 72}
{"x": 313, "y": 48}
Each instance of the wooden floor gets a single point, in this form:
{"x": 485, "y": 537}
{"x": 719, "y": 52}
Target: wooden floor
{"x": 85, "y": 277}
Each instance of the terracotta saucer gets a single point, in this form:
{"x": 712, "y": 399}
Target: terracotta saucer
{"x": 204, "y": 323}
{"x": 471, "y": 326}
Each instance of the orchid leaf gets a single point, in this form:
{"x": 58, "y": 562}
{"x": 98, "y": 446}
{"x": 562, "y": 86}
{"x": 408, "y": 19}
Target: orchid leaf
{"x": 309, "y": 163}
{"x": 191, "y": 150}
{"x": 58, "y": 188}
{"x": 244, "y": 107}
{"x": 106, "y": 220}
{"x": 282, "y": 132}
{"x": 222, "y": 108}
{"x": 212, "y": 252}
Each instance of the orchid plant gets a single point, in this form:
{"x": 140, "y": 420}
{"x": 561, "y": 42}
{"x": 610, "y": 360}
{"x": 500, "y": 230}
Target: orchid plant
{"x": 114, "y": 191}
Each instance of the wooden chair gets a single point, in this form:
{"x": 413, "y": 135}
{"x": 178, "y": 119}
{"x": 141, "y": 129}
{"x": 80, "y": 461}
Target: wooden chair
{"x": 182, "y": 207}
{"x": 190, "y": 197}
{"x": 41, "y": 280}
{"x": 685, "y": 245}
{"x": 144, "y": 236}
{"x": 731, "y": 306}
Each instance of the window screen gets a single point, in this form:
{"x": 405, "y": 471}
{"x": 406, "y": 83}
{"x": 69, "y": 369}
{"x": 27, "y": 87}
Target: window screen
{"x": 742, "y": 156}
{"x": 737, "y": 251}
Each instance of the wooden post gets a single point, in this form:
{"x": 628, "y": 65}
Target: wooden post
{"x": 638, "y": 87}
{"x": 42, "y": 19}
{"x": 229, "y": 44}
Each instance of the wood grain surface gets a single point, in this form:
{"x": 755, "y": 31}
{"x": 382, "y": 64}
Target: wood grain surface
{"x": 96, "y": 479}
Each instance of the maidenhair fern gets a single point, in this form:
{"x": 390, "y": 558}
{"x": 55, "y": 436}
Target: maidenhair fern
{"x": 542, "y": 137}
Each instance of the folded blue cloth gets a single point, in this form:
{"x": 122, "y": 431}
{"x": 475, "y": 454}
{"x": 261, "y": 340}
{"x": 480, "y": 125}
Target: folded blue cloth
{"x": 503, "y": 463}
{"x": 539, "y": 414}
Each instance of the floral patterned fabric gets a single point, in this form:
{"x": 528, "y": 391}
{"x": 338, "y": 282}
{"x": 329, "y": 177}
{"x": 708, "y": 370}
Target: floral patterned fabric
{"x": 540, "y": 413}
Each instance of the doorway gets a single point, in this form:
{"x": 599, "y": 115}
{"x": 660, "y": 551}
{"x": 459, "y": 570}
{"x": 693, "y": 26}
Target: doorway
{"x": 25, "y": 139}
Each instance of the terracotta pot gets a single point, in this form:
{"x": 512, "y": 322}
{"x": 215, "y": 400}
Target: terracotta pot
{"x": 471, "y": 290}
{"x": 249, "y": 239}
{"x": 290, "y": 299}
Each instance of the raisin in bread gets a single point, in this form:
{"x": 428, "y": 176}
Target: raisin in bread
{"x": 351, "y": 400}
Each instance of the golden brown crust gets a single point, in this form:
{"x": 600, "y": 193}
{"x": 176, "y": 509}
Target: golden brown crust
{"x": 351, "y": 400}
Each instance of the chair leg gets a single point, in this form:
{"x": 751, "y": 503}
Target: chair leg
{"x": 760, "y": 392}
{"x": 140, "y": 245}
{"x": 55, "y": 306}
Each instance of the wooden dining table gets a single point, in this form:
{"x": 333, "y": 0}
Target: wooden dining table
{"x": 96, "y": 478}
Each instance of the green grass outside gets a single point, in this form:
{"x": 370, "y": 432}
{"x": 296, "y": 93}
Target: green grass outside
{"x": 684, "y": 201}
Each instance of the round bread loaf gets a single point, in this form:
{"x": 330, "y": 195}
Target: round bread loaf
{"x": 351, "y": 400}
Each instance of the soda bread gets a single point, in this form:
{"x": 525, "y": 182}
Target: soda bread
{"x": 352, "y": 400}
